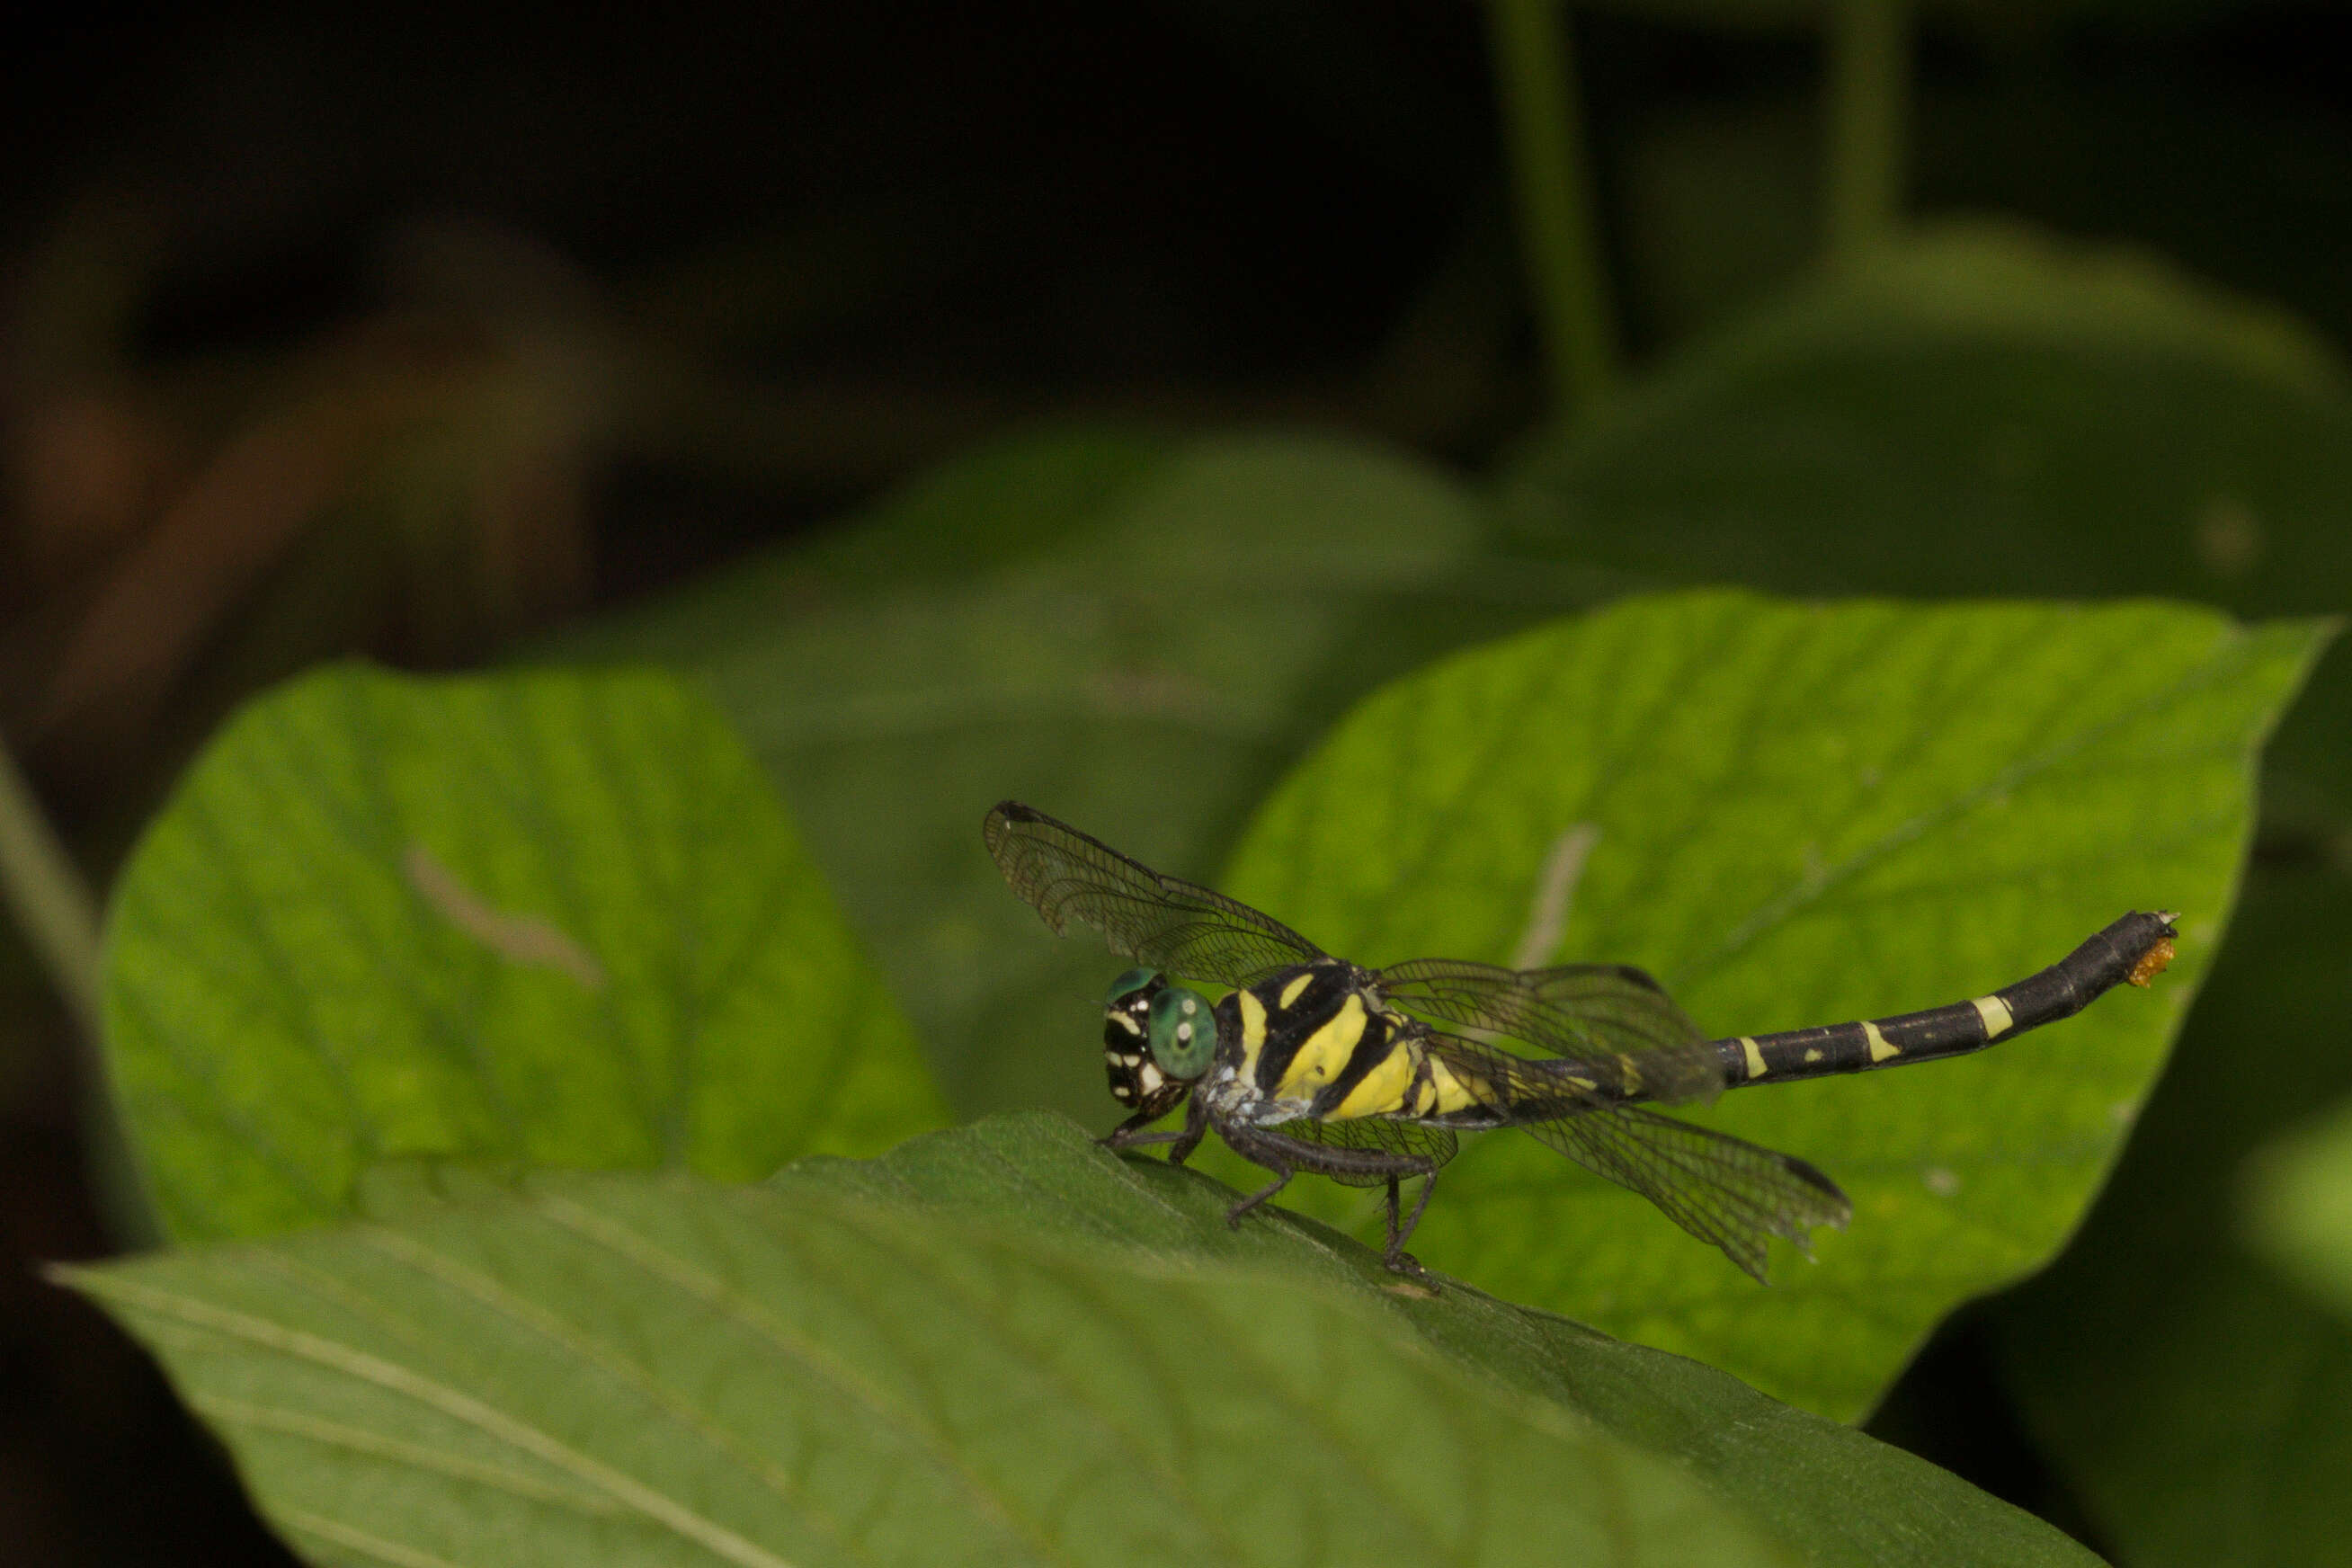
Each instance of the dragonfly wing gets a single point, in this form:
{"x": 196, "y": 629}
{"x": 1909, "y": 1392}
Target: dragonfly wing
{"x": 1726, "y": 1191}
{"x": 1436, "y": 1144}
{"x": 1732, "y": 1193}
{"x": 1165, "y": 922}
{"x": 1591, "y": 1012}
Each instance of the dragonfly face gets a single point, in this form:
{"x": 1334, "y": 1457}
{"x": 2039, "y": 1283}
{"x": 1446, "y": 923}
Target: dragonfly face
{"x": 1158, "y": 1040}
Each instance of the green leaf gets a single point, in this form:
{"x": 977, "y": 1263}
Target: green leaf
{"x": 2299, "y": 1206}
{"x": 1839, "y": 1495}
{"x": 1139, "y": 636}
{"x": 544, "y": 918}
{"x": 2092, "y": 424}
{"x": 869, "y": 1363}
{"x": 1805, "y": 814}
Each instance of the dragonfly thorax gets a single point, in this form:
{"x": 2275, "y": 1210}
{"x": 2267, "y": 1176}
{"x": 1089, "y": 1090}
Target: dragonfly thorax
{"x": 1158, "y": 1040}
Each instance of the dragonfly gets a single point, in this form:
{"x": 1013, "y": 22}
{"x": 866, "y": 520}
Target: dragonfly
{"x": 1311, "y": 1063}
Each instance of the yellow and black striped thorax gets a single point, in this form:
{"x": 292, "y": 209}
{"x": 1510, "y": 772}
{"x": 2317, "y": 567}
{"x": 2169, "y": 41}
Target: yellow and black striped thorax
{"x": 1316, "y": 1042}
{"x": 1318, "y": 1035}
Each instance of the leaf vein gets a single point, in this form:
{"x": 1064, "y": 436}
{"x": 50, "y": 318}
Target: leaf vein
{"x": 361, "y": 1366}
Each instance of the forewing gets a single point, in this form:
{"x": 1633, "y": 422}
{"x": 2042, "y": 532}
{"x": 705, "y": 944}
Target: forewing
{"x": 1190, "y": 931}
{"x": 1590, "y": 1013}
{"x": 1722, "y": 1189}
{"x": 1434, "y": 1143}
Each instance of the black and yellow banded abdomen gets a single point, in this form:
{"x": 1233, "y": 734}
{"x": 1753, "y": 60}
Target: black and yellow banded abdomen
{"x": 2133, "y": 950}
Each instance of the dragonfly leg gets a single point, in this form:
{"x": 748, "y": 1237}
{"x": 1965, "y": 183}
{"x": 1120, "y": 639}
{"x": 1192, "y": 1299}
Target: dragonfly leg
{"x": 1234, "y": 1215}
{"x": 1130, "y": 1134}
{"x": 1396, "y": 1257}
{"x": 1196, "y": 1127}
{"x": 1112, "y": 1139}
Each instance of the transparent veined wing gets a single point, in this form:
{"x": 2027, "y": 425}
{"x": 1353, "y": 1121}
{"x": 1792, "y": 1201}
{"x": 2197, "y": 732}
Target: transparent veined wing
{"x": 1588, "y": 1012}
{"x": 1726, "y": 1191}
{"x": 1436, "y": 1144}
{"x": 1190, "y": 931}
{"x": 1720, "y": 1188}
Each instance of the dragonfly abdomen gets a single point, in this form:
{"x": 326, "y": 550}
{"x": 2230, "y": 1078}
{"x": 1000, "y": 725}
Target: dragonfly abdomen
{"x": 2131, "y": 951}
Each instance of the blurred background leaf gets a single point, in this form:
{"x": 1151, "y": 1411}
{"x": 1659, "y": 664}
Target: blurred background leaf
{"x": 2299, "y": 1206}
{"x": 534, "y": 920}
{"x": 1978, "y": 410}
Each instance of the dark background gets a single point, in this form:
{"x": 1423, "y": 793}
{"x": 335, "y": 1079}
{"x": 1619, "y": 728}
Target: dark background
{"x": 657, "y": 291}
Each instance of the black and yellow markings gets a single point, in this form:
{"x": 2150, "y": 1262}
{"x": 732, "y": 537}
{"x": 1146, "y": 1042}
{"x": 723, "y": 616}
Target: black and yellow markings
{"x": 1375, "y": 1081}
{"x": 1998, "y": 1020}
{"x": 1252, "y": 1013}
{"x": 1123, "y": 1053}
{"x": 1311, "y": 1036}
{"x": 1319, "y": 1040}
{"x": 1441, "y": 1091}
{"x": 2132, "y": 951}
{"x": 1307, "y": 1036}
{"x": 1324, "y": 1054}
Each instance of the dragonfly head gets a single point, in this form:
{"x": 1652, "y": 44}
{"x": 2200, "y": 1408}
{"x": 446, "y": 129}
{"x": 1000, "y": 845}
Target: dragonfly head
{"x": 1158, "y": 1040}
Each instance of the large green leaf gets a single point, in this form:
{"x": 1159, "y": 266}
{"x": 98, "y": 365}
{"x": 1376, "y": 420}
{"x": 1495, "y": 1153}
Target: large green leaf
{"x": 1985, "y": 412}
{"x": 1805, "y": 814}
{"x": 548, "y": 919}
{"x": 1000, "y": 1345}
{"x": 1137, "y": 635}
{"x": 1840, "y": 1496}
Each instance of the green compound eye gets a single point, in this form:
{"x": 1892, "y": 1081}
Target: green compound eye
{"x": 1184, "y": 1033}
{"x": 1128, "y": 984}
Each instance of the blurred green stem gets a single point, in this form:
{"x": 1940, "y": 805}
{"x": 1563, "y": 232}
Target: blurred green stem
{"x": 53, "y": 907}
{"x": 1870, "y": 71}
{"x": 52, "y": 904}
{"x": 1535, "y": 79}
